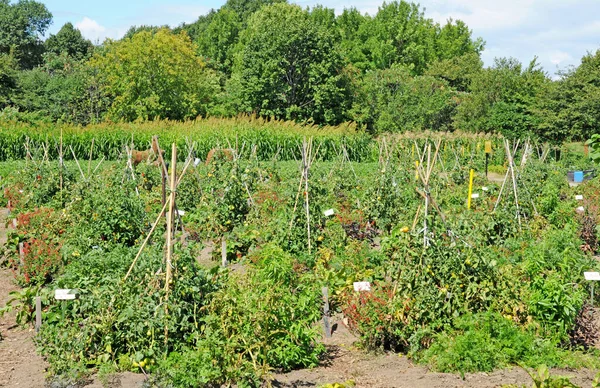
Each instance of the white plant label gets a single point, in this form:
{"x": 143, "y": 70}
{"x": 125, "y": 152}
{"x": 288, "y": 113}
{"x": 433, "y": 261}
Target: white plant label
{"x": 475, "y": 195}
{"x": 181, "y": 212}
{"x": 579, "y": 197}
{"x": 592, "y": 275}
{"x": 196, "y": 162}
{"x": 329, "y": 213}
{"x": 580, "y": 209}
{"x": 485, "y": 188}
{"x": 63, "y": 294}
{"x": 362, "y": 286}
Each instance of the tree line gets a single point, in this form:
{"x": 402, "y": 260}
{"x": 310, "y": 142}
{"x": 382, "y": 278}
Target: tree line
{"x": 394, "y": 71}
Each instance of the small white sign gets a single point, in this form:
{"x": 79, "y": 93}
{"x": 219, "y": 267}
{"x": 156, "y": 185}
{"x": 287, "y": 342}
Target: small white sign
{"x": 580, "y": 209}
{"x": 485, "y": 188}
{"x": 475, "y": 195}
{"x": 362, "y": 286}
{"x": 196, "y": 162}
{"x": 181, "y": 212}
{"x": 329, "y": 213}
{"x": 63, "y": 294}
{"x": 592, "y": 275}
{"x": 579, "y": 197}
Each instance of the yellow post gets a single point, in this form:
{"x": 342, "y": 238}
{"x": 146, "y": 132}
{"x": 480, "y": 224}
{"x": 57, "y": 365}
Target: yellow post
{"x": 412, "y": 151}
{"x": 471, "y": 176}
{"x": 416, "y": 170}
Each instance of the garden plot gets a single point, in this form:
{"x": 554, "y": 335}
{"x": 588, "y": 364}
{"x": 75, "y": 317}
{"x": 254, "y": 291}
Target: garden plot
{"x": 462, "y": 284}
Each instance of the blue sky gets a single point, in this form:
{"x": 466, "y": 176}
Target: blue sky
{"x": 559, "y": 32}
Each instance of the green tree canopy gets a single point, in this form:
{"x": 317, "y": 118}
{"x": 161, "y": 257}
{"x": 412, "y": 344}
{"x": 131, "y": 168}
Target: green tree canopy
{"x": 504, "y": 98}
{"x": 394, "y": 100}
{"x": 8, "y": 78}
{"x": 573, "y": 108}
{"x": 135, "y": 29}
{"x": 62, "y": 89}
{"x": 22, "y": 25}
{"x": 218, "y": 40}
{"x": 457, "y": 71}
{"x": 155, "y": 75}
{"x": 70, "y": 41}
{"x": 290, "y": 67}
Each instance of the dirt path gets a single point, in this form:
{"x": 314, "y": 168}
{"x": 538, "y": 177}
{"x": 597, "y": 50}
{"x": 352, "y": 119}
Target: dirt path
{"x": 348, "y": 364}
{"x": 20, "y": 366}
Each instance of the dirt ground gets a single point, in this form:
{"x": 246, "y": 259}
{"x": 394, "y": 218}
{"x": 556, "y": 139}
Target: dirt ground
{"x": 20, "y": 366}
{"x": 390, "y": 370}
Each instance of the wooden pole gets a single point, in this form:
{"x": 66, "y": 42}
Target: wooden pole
{"x": 170, "y": 215}
{"x": 326, "y": 323}
{"x": 223, "y": 252}
{"x": 38, "y": 313}
{"x": 170, "y": 235}
{"x": 90, "y": 160}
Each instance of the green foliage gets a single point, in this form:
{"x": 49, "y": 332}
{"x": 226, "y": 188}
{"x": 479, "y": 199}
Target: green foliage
{"x": 392, "y": 100}
{"x": 289, "y": 67}
{"x": 154, "y": 75}
{"x": 504, "y": 99}
{"x": 572, "y": 110}
{"x": 107, "y": 212}
{"x": 488, "y": 341}
{"x": 271, "y": 138}
{"x": 218, "y": 41}
{"x": 114, "y": 320}
{"x": 8, "y": 78}
{"x": 22, "y": 26}
{"x": 70, "y": 41}
{"x": 64, "y": 89}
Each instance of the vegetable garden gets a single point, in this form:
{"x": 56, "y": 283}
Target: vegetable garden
{"x": 220, "y": 270}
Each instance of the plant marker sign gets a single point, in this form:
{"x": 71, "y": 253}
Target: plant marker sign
{"x": 579, "y": 197}
{"x": 63, "y": 294}
{"x": 329, "y": 212}
{"x": 362, "y": 286}
{"x": 592, "y": 275}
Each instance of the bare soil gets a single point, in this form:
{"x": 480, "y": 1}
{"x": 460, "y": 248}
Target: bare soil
{"x": 20, "y": 366}
{"x": 347, "y": 364}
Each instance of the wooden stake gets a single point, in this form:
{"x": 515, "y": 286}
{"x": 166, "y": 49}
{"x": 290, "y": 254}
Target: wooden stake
{"x": 170, "y": 235}
{"x": 38, "y": 313}
{"x": 223, "y": 252}
{"x": 170, "y": 215}
{"x": 326, "y": 323}
{"x": 90, "y": 160}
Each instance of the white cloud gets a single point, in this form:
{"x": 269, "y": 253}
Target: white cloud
{"x": 558, "y": 57}
{"x": 96, "y": 32}
{"x": 91, "y": 29}
{"x": 482, "y": 15}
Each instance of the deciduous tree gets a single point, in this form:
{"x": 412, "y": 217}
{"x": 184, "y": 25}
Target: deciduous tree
{"x": 155, "y": 75}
